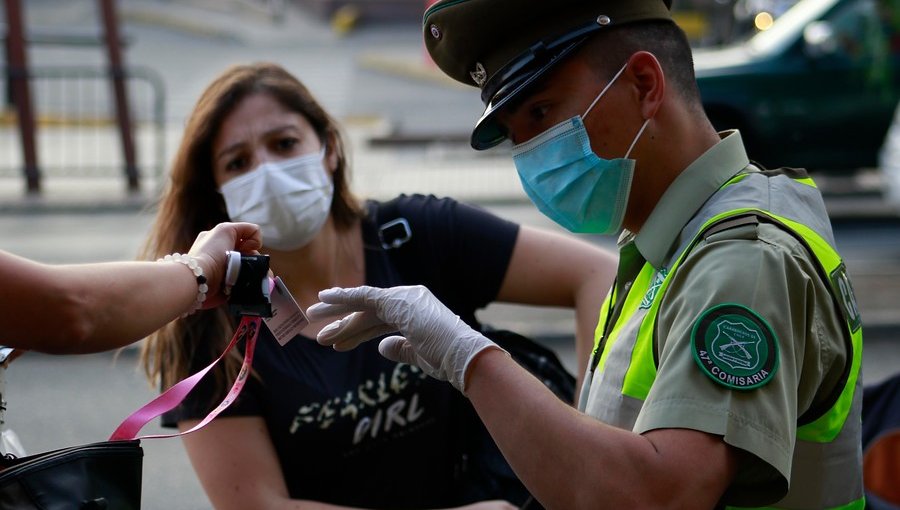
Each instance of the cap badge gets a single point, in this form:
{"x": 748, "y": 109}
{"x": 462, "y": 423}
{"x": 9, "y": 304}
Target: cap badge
{"x": 479, "y": 75}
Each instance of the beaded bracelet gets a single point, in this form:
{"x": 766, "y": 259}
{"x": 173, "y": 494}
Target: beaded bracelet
{"x": 202, "y": 287}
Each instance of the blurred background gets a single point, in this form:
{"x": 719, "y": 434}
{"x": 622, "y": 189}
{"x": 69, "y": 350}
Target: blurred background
{"x": 96, "y": 92}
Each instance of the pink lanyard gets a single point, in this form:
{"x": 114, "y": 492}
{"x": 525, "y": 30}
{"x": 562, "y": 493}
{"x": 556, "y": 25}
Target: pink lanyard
{"x": 169, "y": 399}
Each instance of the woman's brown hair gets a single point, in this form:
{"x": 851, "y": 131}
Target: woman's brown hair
{"x": 191, "y": 204}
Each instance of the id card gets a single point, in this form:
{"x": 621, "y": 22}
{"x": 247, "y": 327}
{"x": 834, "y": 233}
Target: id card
{"x": 288, "y": 319}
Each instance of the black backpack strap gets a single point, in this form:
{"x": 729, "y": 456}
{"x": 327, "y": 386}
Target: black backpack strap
{"x": 394, "y": 233}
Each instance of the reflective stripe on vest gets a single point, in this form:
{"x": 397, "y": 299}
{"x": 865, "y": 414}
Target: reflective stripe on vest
{"x": 640, "y": 374}
{"x": 859, "y": 504}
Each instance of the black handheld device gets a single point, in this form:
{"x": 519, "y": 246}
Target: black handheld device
{"x": 247, "y": 284}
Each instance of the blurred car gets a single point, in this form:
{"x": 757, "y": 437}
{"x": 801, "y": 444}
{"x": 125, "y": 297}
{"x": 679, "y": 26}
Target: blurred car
{"x": 816, "y": 90}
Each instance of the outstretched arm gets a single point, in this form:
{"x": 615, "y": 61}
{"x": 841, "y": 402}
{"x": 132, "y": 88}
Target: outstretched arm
{"x": 565, "y": 458}
{"x": 575, "y": 461}
{"x": 95, "y": 307}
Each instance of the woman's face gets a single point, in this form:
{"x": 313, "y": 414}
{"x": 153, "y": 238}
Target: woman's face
{"x": 257, "y": 131}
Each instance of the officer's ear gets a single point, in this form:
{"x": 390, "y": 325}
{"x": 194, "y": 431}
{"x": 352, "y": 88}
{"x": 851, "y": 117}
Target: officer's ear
{"x": 649, "y": 81}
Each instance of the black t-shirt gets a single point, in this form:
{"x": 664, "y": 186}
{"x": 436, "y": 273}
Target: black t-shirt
{"x": 353, "y": 428}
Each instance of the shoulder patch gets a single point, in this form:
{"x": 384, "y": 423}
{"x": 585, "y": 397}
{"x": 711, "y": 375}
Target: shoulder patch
{"x": 735, "y": 347}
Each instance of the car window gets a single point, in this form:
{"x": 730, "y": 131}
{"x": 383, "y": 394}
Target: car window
{"x": 889, "y": 16}
{"x": 857, "y": 31}
{"x": 865, "y": 35}
{"x": 788, "y": 28}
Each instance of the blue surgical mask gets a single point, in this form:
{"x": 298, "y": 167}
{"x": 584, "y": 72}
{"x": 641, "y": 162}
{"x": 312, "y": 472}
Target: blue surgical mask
{"x": 569, "y": 183}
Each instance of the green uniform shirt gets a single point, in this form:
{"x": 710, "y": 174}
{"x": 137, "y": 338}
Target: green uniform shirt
{"x": 760, "y": 267}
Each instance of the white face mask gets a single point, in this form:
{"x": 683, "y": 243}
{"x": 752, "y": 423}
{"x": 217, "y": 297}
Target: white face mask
{"x": 289, "y": 200}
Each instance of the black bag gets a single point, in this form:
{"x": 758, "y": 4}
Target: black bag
{"x": 537, "y": 359}
{"x": 107, "y": 475}
{"x": 483, "y": 472}
{"x": 104, "y": 475}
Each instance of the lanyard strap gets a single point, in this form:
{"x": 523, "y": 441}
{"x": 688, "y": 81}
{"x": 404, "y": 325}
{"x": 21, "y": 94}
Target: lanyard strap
{"x": 169, "y": 399}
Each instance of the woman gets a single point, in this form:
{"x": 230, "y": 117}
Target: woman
{"x": 317, "y": 426}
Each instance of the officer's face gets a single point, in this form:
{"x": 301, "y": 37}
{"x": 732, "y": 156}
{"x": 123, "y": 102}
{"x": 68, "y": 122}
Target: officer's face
{"x": 567, "y": 91}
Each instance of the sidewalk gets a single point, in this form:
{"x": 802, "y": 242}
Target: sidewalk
{"x": 380, "y": 172}
{"x": 454, "y": 170}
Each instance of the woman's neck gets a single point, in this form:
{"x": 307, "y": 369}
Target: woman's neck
{"x": 334, "y": 258}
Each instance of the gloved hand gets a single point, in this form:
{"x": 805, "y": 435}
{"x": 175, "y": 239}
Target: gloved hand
{"x": 433, "y": 337}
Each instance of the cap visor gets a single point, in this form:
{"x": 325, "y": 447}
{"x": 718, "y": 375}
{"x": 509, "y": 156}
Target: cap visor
{"x": 488, "y": 133}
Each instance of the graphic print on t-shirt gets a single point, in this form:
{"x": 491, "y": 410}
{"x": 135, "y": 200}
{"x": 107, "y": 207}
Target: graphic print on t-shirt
{"x": 386, "y": 405}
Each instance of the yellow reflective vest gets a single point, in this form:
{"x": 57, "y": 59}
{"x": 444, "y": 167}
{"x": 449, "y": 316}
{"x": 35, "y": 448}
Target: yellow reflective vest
{"x": 828, "y": 438}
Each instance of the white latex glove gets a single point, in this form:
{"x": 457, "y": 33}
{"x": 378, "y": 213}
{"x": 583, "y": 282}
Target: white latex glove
{"x": 433, "y": 338}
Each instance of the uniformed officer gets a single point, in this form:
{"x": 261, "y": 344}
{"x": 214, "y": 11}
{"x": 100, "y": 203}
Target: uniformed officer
{"x": 727, "y": 362}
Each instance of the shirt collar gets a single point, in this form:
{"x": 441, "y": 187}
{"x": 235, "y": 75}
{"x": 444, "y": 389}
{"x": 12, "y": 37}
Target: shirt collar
{"x": 687, "y": 194}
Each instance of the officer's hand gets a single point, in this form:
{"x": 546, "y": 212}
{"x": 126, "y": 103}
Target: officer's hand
{"x": 433, "y": 338}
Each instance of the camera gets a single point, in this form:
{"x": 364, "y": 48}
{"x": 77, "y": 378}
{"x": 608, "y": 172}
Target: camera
{"x": 247, "y": 284}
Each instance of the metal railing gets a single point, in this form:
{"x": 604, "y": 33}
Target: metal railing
{"x": 76, "y": 130}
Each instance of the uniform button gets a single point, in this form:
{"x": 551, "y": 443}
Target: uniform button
{"x": 603, "y": 20}
{"x": 435, "y": 32}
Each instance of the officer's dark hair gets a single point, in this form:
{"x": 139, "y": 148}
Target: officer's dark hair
{"x": 608, "y": 50}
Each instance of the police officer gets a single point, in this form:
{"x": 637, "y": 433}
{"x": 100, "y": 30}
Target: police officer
{"x": 727, "y": 363}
